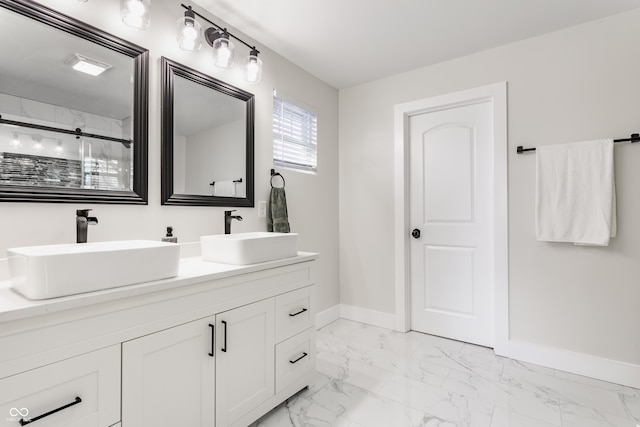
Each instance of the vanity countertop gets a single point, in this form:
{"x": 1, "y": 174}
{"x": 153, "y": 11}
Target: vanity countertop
{"x": 193, "y": 270}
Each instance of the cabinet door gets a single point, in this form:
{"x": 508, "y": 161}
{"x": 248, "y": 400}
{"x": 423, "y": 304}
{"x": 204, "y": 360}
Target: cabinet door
{"x": 168, "y": 377}
{"x": 244, "y": 360}
{"x": 83, "y": 391}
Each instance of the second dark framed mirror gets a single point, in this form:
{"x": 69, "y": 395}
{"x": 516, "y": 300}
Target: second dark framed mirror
{"x": 207, "y": 140}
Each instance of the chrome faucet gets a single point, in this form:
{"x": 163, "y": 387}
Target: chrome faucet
{"x": 82, "y": 223}
{"x": 227, "y": 220}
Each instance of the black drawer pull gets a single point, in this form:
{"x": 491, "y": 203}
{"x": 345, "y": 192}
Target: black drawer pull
{"x": 299, "y": 358}
{"x": 224, "y": 349}
{"x": 39, "y": 417}
{"x": 213, "y": 348}
{"x": 300, "y": 312}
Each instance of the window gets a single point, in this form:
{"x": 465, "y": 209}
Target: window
{"x": 295, "y": 136}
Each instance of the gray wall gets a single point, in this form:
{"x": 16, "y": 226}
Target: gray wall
{"x": 571, "y": 85}
{"x": 313, "y": 199}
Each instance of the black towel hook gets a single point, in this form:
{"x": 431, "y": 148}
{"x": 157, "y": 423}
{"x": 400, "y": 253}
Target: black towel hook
{"x": 274, "y": 173}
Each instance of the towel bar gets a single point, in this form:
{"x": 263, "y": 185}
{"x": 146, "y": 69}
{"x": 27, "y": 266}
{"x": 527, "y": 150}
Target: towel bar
{"x": 235, "y": 180}
{"x": 635, "y": 137}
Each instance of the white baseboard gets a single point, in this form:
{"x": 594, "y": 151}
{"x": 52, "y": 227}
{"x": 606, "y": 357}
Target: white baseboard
{"x": 614, "y": 371}
{"x": 327, "y": 316}
{"x": 370, "y": 317}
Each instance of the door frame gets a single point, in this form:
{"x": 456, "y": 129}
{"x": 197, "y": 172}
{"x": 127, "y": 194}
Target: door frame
{"x": 497, "y": 95}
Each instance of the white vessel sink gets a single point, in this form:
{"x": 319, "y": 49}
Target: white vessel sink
{"x": 248, "y": 248}
{"x": 42, "y": 272}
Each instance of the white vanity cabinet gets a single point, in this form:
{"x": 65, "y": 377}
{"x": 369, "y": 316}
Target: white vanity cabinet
{"x": 218, "y": 347}
{"x": 173, "y": 377}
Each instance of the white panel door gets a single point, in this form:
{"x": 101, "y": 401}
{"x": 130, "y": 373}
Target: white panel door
{"x": 168, "y": 378}
{"x": 451, "y": 199}
{"x": 245, "y": 367}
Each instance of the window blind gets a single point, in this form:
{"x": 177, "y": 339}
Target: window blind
{"x": 295, "y": 136}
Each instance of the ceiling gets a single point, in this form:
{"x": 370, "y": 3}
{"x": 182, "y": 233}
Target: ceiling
{"x": 349, "y": 42}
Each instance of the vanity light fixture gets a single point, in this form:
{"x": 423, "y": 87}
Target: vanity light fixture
{"x": 189, "y": 30}
{"x": 220, "y": 40}
{"x": 87, "y": 65}
{"x": 135, "y": 13}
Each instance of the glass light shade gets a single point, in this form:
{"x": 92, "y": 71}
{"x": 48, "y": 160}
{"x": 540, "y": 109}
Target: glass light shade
{"x": 253, "y": 68}
{"x": 135, "y": 13}
{"x": 223, "y": 51}
{"x": 189, "y": 34}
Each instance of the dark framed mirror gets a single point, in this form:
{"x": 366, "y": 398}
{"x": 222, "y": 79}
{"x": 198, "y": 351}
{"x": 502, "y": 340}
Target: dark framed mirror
{"x": 68, "y": 135}
{"x": 207, "y": 140}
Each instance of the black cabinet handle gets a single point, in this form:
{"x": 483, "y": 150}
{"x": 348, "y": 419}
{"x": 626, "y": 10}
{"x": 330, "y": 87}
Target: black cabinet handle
{"x": 213, "y": 346}
{"x": 416, "y": 233}
{"x": 304, "y": 354}
{"x": 300, "y": 312}
{"x": 225, "y": 336}
{"x": 24, "y": 422}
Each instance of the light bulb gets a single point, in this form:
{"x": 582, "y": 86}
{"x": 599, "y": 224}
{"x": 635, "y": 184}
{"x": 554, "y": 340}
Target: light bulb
{"x": 223, "y": 51}
{"x": 253, "y": 67}
{"x": 59, "y": 149}
{"x": 37, "y": 142}
{"x": 135, "y": 13}
{"x": 136, "y": 7}
{"x": 189, "y": 32}
{"x": 15, "y": 141}
{"x": 223, "y": 56}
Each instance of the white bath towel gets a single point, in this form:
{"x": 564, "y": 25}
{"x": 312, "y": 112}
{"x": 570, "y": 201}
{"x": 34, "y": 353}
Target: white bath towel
{"x": 575, "y": 193}
{"x": 224, "y": 189}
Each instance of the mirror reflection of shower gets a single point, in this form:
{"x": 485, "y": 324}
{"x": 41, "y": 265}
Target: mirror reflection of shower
{"x": 44, "y": 158}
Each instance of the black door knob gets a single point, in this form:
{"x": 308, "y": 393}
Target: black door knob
{"x": 416, "y": 233}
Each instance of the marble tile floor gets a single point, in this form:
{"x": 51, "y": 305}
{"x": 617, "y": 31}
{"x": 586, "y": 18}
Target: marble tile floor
{"x": 373, "y": 377}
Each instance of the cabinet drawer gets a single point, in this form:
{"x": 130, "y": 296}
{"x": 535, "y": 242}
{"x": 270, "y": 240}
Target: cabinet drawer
{"x": 295, "y": 312}
{"x": 85, "y": 391}
{"x": 295, "y": 357}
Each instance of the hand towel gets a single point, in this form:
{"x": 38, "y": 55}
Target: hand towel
{"x": 224, "y": 189}
{"x": 278, "y": 218}
{"x": 575, "y": 193}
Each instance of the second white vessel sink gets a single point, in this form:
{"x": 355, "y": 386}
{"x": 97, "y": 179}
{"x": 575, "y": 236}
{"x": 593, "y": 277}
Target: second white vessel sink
{"x": 248, "y": 248}
{"x": 42, "y": 272}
